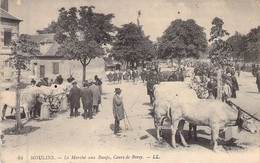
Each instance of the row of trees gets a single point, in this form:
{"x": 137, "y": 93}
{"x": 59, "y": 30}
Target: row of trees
{"x": 245, "y": 47}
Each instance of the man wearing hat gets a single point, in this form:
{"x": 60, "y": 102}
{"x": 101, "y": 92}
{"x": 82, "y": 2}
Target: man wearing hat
{"x": 118, "y": 109}
{"x": 87, "y": 100}
{"x": 74, "y": 97}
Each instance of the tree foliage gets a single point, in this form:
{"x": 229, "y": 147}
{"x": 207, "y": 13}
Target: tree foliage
{"x": 82, "y": 34}
{"x": 182, "y": 39}
{"x": 51, "y": 28}
{"x": 220, "y": 50}
{"x": 238, "y": 44}
{"x": 253, "y": 45}
{"x": 22, "y": 51}
{"x": 131, "y": 45}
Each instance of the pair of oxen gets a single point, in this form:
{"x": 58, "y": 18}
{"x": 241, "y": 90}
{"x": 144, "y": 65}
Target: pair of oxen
{"x": 32, "y": 95}
{"x": 177, "y": 102}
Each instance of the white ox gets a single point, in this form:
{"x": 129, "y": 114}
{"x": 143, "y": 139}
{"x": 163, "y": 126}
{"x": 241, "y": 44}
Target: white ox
{"x": 212, "y": 113}
{"x": 176, "y": 101}
{"x": 31, "y": 94}
{"x": 164, "y": 93}
{"x": 29, "y": 97}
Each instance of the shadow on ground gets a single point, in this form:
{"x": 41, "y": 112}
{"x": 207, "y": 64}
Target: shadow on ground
{"x": 24, "y": 130}
{"x": 229, "y": 145}
{"x": 252, "y": 92}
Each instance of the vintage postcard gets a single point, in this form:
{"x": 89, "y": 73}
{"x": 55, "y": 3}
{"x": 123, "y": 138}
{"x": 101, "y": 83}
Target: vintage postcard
{"x": 130, "y": 81}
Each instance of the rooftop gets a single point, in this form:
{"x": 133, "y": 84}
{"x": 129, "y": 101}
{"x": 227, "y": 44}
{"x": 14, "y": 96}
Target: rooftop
{"x": 42, "y": 38}
{"x": 6, "y": 15}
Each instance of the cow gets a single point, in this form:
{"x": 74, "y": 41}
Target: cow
{"x": 164, "y": 93}
{"x": 29, "y": 97}
{"x": 201, "y": 112}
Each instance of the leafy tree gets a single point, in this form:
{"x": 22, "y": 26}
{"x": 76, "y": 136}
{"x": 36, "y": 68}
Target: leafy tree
{"x": 131, "y": 45}
{"x": 253, "y": 45}
{"x": 238, "y": 45}
{"x": 51, "y": 28}
{"x": 81, "y": 34}
{"x": 22, "y": 51}
{"x": 182, "y": 39}
{"x": 220, "y": 50}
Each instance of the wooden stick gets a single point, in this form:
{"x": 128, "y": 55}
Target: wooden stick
{"x": 245, "y": 111}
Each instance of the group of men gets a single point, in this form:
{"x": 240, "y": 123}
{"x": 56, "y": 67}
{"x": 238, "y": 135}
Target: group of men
{"x": 117, "y": 76}
{"x": 90, "y": 96}
{"x": 45, "y": 81}
{"x": 207, "y": 78}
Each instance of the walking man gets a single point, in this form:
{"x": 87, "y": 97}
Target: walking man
{"x": 118, "y": 109}
{"x": 87, "y": 100}
{"x": 74, "y": 97}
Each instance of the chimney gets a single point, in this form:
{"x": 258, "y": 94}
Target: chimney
{"x": 4, "y": 5}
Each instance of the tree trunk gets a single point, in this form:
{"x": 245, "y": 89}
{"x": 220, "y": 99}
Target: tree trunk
{"x": 17, "y": 108}
{"x": 84, "y": 73}
{"x": 172, "y": 62}
{"x": 179, "y": 63}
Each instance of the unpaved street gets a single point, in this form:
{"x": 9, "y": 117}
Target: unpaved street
{"x": 75, "y": 139}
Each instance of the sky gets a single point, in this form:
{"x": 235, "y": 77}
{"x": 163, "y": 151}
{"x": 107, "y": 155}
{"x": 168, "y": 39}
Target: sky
{"x": 238, "y": 15}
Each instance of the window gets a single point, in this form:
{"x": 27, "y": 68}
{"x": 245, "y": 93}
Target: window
{"x": 7, "y": 38}
{"x": 55, "y": 67}
{"x": 6, "y": 64}
{"x": 2, "y": 74}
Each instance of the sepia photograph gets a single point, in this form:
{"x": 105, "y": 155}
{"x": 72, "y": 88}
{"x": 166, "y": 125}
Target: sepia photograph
{"x": 130, "y": 81}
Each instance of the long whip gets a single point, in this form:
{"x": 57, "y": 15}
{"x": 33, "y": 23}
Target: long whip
{"x": 128, "y": 121}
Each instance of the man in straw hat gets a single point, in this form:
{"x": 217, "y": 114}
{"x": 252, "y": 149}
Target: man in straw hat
{"x": 118, "y": 109}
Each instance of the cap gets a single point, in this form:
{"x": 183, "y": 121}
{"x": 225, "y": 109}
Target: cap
{"x": 118, "y": 90}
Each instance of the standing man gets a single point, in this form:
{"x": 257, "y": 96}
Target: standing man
{"x": 258, "y": 80}
{"x": 150, "y": 84}
{"x": 118, "y": 109}
{"x": 74, "y": 97}
{"x": 235, "y": 86}
{"x": 212, "y": 88}
{"x": 96, "y": 97}
{"x": 87, "y": 100}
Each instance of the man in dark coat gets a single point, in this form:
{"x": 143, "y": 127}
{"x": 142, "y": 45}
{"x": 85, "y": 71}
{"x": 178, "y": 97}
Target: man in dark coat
{"x": 99, "y": 83}
{"x": 96, "y": 97}
{"x": 70, "y": 79}
{"x": 258, "y": 79}
{"x": 118, "y": 109}
{"x": 143, "y": 75}
{"x": 87, "y": 100}
{"x": 74, "y": 97}
{"x": 212, "y": 88}
{"x": 150, "y": 84}
{"x": 234, "y": 85}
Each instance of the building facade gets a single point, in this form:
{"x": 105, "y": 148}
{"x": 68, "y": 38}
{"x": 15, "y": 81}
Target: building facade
{"x": 48, "y": 64}
{"x": 9, "y": 31}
